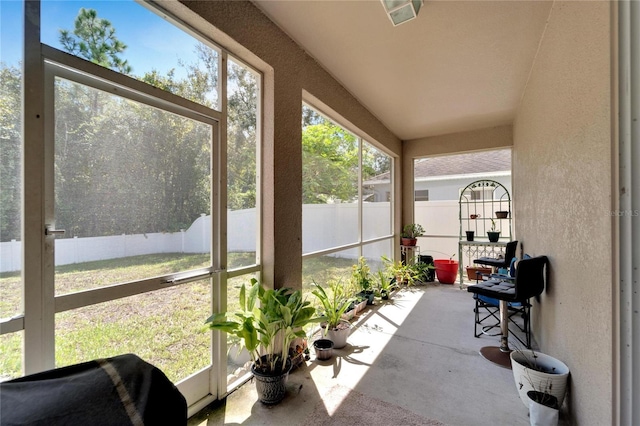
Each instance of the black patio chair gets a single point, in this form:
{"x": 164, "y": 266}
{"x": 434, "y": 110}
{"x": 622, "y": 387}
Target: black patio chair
{"x": 497, "y": 263}
{"x": 529, "y": 282}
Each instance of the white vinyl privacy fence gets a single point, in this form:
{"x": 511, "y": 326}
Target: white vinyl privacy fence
{"x": 324, "y": 226}
{"x": 440, "y": 220}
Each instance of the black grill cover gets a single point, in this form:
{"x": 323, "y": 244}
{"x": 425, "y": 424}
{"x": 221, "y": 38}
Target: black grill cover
{"x": 124, "y": 390}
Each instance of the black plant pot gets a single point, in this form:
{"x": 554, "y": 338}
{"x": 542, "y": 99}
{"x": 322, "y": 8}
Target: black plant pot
{"x": 493, "y": 236}
{"x": 368, "y": 295}
{"x": 271, "y": 388}
{"x": 323, "y": 348}
{"x": 470, "y": 235}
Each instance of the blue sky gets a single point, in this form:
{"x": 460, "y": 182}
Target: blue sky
{"x": 152, "y": 42}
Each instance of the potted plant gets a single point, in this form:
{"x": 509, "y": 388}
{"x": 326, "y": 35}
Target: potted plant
{"x": 384, "y": 286}
{"x": 265, "y": 324}
{"x": 361, "y": 280}
{"x": 535, "y": 371}
{"x": 334, "y": 305}
{"x": 475, "y": 273}
{"x": 493, "y": 235}
{"x": 422, "y": 270}
{"x": 404, "y": 274}
{"x": 446, "y": 270}
{"x": 410, "y": 234}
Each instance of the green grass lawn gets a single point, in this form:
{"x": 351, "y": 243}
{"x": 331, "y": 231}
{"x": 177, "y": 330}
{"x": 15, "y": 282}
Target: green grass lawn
{"x": 164, "y": 327}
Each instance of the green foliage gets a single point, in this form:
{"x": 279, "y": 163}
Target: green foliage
{"x": 122, "y": 167}
{"x": 384, "y": 284}
{"x": 95, "y": 39}
{"x": 334, "y": 303}
{"x": 404, "y": 274}
{"x": 10, "y": 152}
{"x": 412, "y": 230}
{"x": 361, "y": 275}
{"x": 242, "y": 149}
{"x": 330, "y": 164}
{"x": 420, "y": 270}
{"x": 266, "y": 323}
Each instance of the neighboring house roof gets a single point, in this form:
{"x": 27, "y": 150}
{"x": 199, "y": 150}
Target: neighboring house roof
{"x": 455, "y": 165}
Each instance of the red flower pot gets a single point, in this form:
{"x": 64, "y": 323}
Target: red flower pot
{"x": 408, "y": 241}
{"x": 446, "y": 270}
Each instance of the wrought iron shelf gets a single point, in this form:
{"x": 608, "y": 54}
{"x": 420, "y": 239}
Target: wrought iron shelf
{"x": 479, "y": 202}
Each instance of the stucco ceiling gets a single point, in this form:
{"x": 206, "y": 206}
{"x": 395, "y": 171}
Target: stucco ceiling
{"x": 459, "y": 66}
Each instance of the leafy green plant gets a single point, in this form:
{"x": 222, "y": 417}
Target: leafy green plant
{"x": 334, "y": 303}
{"x": 384, "y": 284}
{"x": 361, "y": 275}
{"x": 266, "y": 324}
{"x": 493, "y": 225}
{"x": 404, "y": 274}
{"x": 421, "y": 269}
{"x": 412, "y": 230}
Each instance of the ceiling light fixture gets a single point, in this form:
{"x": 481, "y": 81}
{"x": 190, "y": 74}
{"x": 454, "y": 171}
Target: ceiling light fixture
{"x": 401, "y": 11}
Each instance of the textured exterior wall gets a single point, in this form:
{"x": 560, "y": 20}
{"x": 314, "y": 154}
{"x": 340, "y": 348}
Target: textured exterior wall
{"x": 453, "y": 143}
{"x": 562, "y": 180}
{"x": 243, "y": 29}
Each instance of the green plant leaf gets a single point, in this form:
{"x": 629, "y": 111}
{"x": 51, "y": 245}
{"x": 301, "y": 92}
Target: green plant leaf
{"x": 242, "y": 298}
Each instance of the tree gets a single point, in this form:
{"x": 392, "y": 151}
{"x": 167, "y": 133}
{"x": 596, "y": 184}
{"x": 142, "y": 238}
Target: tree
{"x": 330, "y": 164}
{"x": 95, "y": 39}
{"x": 123, "y": 167}
{"x": 10, "y": 152}
{"x": 241, "y": 137}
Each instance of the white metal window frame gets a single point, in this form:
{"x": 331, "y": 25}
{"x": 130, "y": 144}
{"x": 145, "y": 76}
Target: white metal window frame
{"x": 74, "y": 69}
{"x": 360, "y": 243}
{"x": 41, "y": 65}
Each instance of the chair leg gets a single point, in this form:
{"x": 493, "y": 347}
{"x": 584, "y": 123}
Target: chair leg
{"x": 527, "y": 323}
{"x": 490, "y": 312}
{"x": 522, "y": 312}
{"x": 504, "y": 326}
{"x": 500, "y": 355}
{"x": 476, "y": 320}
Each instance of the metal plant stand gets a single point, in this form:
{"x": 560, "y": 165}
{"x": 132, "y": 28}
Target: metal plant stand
{"x": 480, "y": 204}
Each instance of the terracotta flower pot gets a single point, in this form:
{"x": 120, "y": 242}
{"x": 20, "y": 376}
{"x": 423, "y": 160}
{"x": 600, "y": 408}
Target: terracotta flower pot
{"x": 474, "y": 273}
{"x": 408, "y": 241}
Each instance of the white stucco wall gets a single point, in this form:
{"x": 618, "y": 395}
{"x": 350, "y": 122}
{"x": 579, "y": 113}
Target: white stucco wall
{"x": 562, "y": 179}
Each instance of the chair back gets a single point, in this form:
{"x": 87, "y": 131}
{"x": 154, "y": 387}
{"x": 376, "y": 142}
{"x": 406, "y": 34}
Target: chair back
{"x": 530, "y": 277}
{"x": 510, "y": 252}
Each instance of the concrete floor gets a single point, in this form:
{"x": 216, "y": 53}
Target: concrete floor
{"x": 416, "y": 351}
